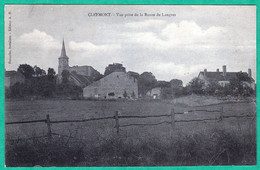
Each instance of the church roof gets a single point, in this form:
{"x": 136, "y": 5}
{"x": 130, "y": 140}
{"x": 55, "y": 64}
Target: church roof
{"x": 63, "y": 51}
{"x": 83, "y": 80}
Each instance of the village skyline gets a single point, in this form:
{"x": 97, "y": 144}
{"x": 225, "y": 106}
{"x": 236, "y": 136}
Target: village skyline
{"x": 170, "y": 47}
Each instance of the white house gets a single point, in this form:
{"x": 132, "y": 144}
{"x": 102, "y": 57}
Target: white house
{"x": 223, "y": 78}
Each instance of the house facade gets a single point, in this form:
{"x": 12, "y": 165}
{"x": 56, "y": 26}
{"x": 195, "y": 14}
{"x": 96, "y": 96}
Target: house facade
{"x": 223, "y": 78}
{"x": 12, "y": 77}
{"x": 113, "y": 86}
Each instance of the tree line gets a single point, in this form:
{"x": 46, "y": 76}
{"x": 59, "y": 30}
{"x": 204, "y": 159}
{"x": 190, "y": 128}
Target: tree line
{"x": 38, "y": 83}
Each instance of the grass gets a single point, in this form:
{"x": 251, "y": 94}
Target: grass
{"x": 221, "y": 148}
{"x": 228, "y": 142}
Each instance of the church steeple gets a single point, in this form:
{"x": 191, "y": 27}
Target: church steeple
{"x": 63, "y": 51}
{"x": 63, "y": 60}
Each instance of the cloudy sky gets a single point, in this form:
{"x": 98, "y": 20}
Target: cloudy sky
{"x": 180, "y": 46}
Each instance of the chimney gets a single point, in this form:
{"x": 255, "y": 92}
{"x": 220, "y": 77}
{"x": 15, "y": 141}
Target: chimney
{"x": 217, "y": 70}
{"x": 224, "y": 70}
{"x": 205, "y": 72}
{"x": 249, "y": 72}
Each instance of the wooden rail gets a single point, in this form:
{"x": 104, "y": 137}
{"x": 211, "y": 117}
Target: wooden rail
{"x": 117, "y": 117}
{"x": 23, "y": 122}
{"x": 82, "y": 120}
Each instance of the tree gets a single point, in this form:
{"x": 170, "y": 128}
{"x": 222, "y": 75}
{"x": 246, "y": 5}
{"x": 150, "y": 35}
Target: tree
{"x": 26, "y": 70}
{"x": 51, "y": 74}
{"x": 68, "y": 90}
{"x": 175, "y": 83}
{"x": 166, "y": 93}
{"x": 17, "y": 90}
{"x": 38, "y": 72}
{"x": 213, "y": 88}
{"x": 146, "y": 82}
{"x": 48, "y": 89}
{"x": 238, "y": 86}
{"x": 196, "y": 86}
{"x": 163, "y": 84}
{"x": 65, "y": 76}
{"x": 114, "y": 67}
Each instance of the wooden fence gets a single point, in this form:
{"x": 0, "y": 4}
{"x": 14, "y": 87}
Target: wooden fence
{"x": 117, "y": 117}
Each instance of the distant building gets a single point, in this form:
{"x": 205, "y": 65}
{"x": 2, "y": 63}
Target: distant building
{"x": 223, "y": 78}
{"x": 115, "y": 85}
{"x": 155, "y": 93}
{"x": 80, "y": 75}
{"x": 12, "y": 77}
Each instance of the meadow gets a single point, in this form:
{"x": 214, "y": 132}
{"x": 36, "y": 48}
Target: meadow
{"x": 97, "y": 143}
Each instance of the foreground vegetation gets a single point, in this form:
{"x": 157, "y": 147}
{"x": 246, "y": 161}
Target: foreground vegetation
{"x": 219, "y": 148}
{"x": 228, "y": 142}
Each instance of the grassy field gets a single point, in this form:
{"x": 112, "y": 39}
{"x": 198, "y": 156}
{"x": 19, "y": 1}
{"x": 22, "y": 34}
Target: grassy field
{"x": 98, "y": 134}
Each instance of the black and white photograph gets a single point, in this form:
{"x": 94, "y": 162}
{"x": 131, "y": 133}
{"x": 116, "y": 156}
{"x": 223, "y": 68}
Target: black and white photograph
{"x": 130, "y": 85}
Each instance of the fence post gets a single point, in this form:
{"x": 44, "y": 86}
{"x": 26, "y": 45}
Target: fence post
{"x": 117, "y": 123}
{"x": 221, "y": 113}
{"x": 48, "y": 122}
{"x": 173, "y": 118}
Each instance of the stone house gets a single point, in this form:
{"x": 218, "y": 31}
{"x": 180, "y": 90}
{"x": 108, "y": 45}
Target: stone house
{"x": 223, "y": 78}
{"x": 12, "y": 77}
{"x": 113, "y": 86}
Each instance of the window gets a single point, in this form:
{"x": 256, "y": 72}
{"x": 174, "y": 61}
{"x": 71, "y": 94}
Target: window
{"x": 111, "y": 94}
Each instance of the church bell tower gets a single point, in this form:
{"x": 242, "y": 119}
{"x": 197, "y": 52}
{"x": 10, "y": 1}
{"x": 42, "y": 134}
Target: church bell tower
{"x": 63, "y": 60}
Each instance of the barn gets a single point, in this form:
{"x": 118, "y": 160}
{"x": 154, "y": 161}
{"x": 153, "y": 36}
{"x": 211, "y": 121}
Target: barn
{"x": 113, "y": 86}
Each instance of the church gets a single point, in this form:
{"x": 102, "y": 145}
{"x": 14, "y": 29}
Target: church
{"x": 116, "y": 83}
{"x": 79, "y": 75}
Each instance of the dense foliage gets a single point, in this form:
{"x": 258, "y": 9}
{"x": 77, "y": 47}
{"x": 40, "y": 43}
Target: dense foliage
{"x": 38, "y": 84}
{"x": 236, "y": 87}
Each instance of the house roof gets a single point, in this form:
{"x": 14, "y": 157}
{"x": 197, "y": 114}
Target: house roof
{"x": 218, "y": 76}
{"x": 97, "y": 83}
{"x": 13, "y": 73}
{"x": 84, "y": 80}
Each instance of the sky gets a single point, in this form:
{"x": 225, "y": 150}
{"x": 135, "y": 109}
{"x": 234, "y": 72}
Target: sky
{"x": 177, "y": 43}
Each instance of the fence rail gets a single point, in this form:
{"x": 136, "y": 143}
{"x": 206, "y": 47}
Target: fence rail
{"x": 82, "y": 120}
{"x": 29, "y": 121}
{"x": 146, "y": 124}
{"x": 147, "y": 116}
{"x": 117, "y": 117}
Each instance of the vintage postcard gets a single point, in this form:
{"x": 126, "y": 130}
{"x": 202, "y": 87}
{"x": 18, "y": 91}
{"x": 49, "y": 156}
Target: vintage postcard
{"x": 130, "y": 85}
